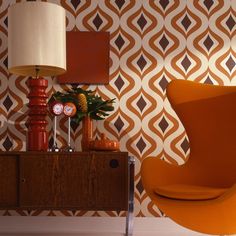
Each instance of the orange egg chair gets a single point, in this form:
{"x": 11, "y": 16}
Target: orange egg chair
{"x": 200, "y": 194}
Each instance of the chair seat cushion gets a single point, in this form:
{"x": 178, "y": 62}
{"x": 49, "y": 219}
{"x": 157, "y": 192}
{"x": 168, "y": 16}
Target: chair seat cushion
{"x": 189, "y": 192}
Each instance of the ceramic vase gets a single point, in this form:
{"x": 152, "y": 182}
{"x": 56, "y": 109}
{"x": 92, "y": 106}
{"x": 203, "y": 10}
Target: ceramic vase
{"x": 87, "y": 133}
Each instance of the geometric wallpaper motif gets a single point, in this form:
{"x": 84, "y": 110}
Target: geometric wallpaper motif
{"x": 151, "y": 43}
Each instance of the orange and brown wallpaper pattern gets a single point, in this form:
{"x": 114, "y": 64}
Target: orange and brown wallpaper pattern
{"x": 151, "y": 43}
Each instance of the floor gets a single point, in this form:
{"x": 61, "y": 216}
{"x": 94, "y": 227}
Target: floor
{"x": 88, "y": 226}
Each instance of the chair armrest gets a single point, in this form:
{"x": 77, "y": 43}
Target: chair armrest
{"x": 156, "y": 172}
{"x": 228, "y": 196}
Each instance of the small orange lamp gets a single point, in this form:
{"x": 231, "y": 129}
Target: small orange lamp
{"x": 37, "y": 47}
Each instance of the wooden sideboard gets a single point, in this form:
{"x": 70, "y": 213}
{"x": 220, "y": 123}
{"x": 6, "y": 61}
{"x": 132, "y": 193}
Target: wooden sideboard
{"x": 61, "y": 180}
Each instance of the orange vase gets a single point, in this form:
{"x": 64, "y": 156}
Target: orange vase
{"x": 87, "y": 133}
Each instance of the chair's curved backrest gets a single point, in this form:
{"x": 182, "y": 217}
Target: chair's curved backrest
{"x": 208, "y": 113}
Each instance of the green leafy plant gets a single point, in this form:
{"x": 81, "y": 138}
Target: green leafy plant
{"x": 96, "y": 107}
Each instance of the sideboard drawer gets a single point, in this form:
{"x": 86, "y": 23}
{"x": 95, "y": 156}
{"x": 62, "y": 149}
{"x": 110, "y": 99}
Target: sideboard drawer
{"x": 86, "y": 180}
{"x": 109, "y": 181}
{"x": 53, "y": 181}
{"x": 8, "y": 181}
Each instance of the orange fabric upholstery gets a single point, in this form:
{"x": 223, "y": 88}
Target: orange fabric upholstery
{"x": 189, "y": 192}
{"x": 208, "y": 113}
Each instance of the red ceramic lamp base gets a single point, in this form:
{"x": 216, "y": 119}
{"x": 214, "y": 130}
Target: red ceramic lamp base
{"x": 37, "y": 139}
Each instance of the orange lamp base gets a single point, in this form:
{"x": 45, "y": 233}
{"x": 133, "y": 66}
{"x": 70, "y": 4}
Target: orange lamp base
{"x": 37, "y": 137}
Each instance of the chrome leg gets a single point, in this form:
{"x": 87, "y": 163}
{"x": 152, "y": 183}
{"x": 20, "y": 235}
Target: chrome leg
{"x": 69, "y": 148}
{"x": 54, "y": 147}
{"x": 130, "y": 211}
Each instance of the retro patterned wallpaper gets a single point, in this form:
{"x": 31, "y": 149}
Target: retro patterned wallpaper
{"x": 151, "y": 43}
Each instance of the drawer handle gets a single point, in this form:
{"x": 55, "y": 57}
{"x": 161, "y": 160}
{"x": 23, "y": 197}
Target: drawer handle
{"x": 114, "y": 163}
{"x": 23, "y": 180}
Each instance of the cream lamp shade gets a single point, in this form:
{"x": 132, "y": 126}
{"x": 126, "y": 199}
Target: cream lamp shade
{"x": 36, "y": 39}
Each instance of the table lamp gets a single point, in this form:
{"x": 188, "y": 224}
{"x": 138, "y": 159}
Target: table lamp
{"x": 37, "y": 47}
